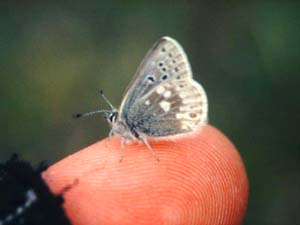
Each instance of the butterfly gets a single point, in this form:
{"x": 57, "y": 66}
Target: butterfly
{"x": 162, "y": 100}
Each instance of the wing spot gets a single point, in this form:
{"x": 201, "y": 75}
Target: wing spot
{"x": 184, "y": 127}
{"x": 151, "y": 79}
{"x": 164, "y": 69}
{"x": 178, "y": 77}
{"x": 174, "y": 61}
{"x": 168, "y": 86}
{"x": 192, "y": 100}
{"x": 183, "y": 94}
{"x": 170, "y": 55}
{"x": 183, "y": 108}
{"x": 167, "y": 94}
{"x": 160, "y": 64}
{"x": 179, "y": 116}
{"x": 165, "y": 105}
{"x": 190, "y": 125}
{"x": 160, "y": 90}
{"x": 193, "y": 115}
{"x": 164, "y": 77}
{"x": 163, "y": 49}
{"x": 176, "y": 69}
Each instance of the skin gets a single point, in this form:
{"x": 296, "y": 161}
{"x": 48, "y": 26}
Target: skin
{"x": 200, "y": 179}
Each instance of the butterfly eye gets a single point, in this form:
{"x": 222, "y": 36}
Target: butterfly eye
{"x": 113, "y": 116}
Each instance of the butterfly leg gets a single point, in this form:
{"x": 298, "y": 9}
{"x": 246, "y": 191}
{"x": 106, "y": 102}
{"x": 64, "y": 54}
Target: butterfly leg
{"x": 111, "y": 133}
{"x": 123, "y": 143}
{"x": 109, "y": 138}
{"x": 149, "y": 147}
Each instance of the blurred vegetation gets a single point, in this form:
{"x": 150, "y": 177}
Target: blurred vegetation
{"x": 55, "y": 57}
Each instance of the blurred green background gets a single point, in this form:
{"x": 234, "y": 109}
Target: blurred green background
{"x": 55, "y": 57}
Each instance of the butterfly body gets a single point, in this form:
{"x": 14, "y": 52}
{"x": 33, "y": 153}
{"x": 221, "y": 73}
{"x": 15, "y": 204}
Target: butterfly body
{"x": 162, "y": 100}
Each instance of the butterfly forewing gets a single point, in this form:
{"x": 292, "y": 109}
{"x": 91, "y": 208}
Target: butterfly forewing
{"x": 163, "y": 99}
{"x": 166, "y": 58}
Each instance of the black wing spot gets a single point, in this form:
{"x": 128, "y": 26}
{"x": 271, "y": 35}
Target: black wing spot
{"x": 170, "y": 55}
{"x": 176, "y": 69}
{"x": 160, "y": 64}
{"x": 164, "y": 69}
{"x": 163, "y": 49}
{"x": 164, "y": 77}
{"x": 151, "y": 79}
{"x": 193, "y": 115}
{"x": 178, "y": 77}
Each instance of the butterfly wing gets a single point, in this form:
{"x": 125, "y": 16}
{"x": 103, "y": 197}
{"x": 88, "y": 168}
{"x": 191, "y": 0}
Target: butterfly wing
{"x": 163, "y": 98}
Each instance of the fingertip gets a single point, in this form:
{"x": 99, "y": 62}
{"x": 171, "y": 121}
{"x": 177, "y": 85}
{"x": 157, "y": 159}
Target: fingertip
{"x": 200, "y": 179}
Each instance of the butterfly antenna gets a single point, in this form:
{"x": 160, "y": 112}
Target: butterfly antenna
{"x": 78, "y": 115}
{"x": 106, "y": 100}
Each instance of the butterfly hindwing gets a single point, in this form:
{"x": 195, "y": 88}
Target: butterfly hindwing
{"x": 171, "y": 108}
